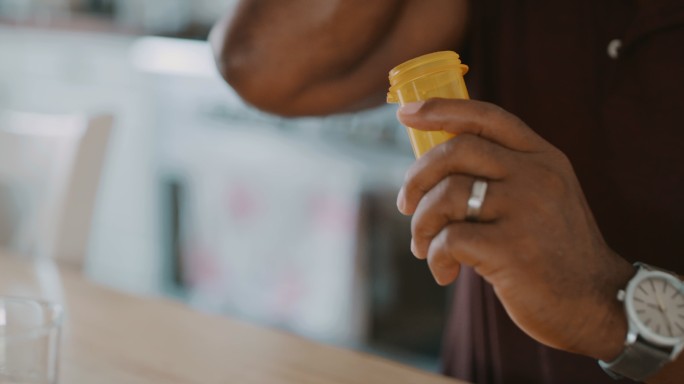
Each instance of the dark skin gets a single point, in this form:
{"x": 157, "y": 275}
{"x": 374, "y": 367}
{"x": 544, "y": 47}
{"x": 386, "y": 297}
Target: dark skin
{"x": 303, "y": 57}
{"x": 537, "y": 242}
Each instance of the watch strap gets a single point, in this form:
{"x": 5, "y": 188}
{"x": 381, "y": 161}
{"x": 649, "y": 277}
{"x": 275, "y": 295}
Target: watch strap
{"x": 637, "y": 361}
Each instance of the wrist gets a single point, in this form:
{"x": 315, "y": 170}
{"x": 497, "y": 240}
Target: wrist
{"x": 612, "y": 334}
{"x": 606, "y": 340}
{"x": 652, "y": 341}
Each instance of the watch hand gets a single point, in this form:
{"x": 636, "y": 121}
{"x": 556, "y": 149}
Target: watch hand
{"x": 660, "y": 302}
{"x": 670, "y": 323}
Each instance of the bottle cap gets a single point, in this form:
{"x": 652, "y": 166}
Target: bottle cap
{"x": 422, "y": 66}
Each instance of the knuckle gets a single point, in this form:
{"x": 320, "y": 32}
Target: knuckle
{"x": 489, "y": 110}
{"x": 447, "y": 248}
{"x": 451, "y": 193}
{"x": 410, "y": 174}
{"x": 419, "y": 228}
{"x": 449, "y": 185}
{"x": 445, "y": 188}
{"x": 563, "y": 159}
{"x": 455, "y": 150}
{"x": 433, "y": 210}
{"x": 435, "y": 106}
{"x": 552, "y": 181}
{"x": 451, "y": 239}
{"x": 464, "y": 140}
{"x": 447, "y": 149}
{"x": 412, "y": 185}
{"x": 440, "y": 260}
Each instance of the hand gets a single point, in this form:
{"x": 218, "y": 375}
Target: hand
{"x": 536, "y": 242}
{"x": 659, "y": 299}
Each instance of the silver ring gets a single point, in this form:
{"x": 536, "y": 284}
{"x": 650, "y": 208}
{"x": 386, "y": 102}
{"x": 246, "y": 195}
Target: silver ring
{"x": 476, "y": 199}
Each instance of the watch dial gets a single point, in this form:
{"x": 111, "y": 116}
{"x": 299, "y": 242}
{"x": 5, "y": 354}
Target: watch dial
{"x": 660, "y": 306}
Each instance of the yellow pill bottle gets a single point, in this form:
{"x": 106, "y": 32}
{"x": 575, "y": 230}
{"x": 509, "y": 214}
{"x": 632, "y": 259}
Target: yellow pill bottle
{"x": 438, "y": 74}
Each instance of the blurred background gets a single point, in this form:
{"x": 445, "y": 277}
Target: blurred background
{"x": 289, "y": 223}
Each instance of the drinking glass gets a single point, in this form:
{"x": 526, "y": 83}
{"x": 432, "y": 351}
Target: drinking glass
{"x": 29, "y": 341}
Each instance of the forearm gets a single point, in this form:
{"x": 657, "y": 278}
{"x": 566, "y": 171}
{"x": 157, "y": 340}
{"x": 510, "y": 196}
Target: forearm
{"x": 299, "y": 57}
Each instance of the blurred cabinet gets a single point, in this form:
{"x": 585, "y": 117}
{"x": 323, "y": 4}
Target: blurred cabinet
{"x": 293, "y": 223}
{"x": 159, "y": 17}
{"x": 61, "y": 72}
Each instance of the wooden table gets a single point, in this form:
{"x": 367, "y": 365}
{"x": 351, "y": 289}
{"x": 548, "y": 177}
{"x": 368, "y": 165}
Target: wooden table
{"x": 111, "y": 337}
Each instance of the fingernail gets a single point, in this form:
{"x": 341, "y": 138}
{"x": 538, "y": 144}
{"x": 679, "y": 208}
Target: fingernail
{"x": 401, "y": 202}
{"x": 442, "y": 277}
{"x": 410, "y": 108}
{"x": 413, "y": 248}
{"x": 445, "y": 274}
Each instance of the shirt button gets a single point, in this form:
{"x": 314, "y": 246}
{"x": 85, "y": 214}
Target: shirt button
{"x": 613, "y": 48}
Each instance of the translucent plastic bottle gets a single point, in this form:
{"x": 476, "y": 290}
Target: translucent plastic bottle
{"x": 438, "y": 74}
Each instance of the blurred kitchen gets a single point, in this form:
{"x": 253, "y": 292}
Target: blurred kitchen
{"x": 285, "y": 222}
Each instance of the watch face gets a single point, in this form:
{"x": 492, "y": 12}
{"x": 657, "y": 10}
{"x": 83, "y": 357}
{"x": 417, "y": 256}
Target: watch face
{"x": 659, "y": 306}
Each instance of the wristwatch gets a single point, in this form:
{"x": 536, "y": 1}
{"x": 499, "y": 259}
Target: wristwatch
{"x": 654, "y": 304}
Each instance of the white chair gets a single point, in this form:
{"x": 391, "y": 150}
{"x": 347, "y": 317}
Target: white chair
{"x": 50, "y": 168}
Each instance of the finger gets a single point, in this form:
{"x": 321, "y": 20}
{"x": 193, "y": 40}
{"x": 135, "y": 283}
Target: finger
{"x": 459, "y": 116}
{"x": 465, "y": 154}
{"x": 444, "y": 271}
{"x": 461, "y": 243}
{"x": 446, "y": 203}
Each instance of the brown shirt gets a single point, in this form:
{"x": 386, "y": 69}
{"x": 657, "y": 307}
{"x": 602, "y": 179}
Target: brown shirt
{"x": 619, "y": 119}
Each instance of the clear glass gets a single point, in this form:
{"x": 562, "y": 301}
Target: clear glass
{"x": 29, "y": 341}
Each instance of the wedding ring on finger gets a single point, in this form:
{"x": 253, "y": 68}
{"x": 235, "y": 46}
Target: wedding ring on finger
{"x": 475, "y": 201}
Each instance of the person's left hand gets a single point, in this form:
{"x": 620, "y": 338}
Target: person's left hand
{"x": 536, "y": 240}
